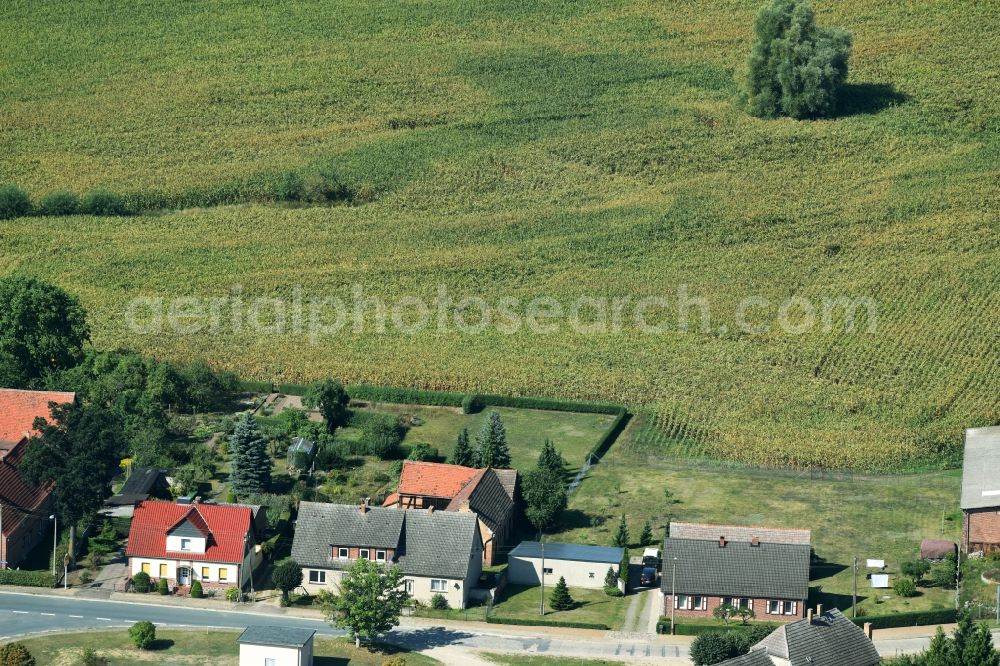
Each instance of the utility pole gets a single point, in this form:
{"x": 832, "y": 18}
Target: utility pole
{"x": 958, "y": 578}
{"x": 854, "y": 596}
{"x": 55, "y": 533}
{"x": 3, "y": 549}
{"x": 541, "y": 600}
{"x": 998, "y": 603}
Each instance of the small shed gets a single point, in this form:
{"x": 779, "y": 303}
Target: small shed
{"x": 301, "y": 452}
{"x": 276, "y": 646}
{"x": 141, "y": 484}
{"x": 580, "y": 565}
{"x": 936, "y": 549}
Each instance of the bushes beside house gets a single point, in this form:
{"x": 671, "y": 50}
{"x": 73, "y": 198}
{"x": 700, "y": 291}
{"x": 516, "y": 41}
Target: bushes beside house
{"x": 27, "y": 578}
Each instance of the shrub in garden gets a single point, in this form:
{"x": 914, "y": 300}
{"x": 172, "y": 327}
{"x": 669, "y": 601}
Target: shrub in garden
{"x": 561, "y": 599}
{"x": 423, "y": 452}
{"x": 904, "y": 587}
{"x": 14, "y": 202}
{"x": 60, "y": 202}
{"x": 382, "y": 435}
{"x": 233, "y": 594}
{"x": 91, "y": 658}
{"x": 140, "y": 582}
{"x": 795, "y": 68}
{"x": 162, "y": 587}
{"x": 943, "y": 574}
{"x": 438, "y": 602}
{"x": 15, "y": 654}
{"x": 143, "y": 634}
{"x": 915, "y": 569}
{"x": 196, "y": 591}
{"x": 102, "y": 202}
{"x": 713, "y": 647}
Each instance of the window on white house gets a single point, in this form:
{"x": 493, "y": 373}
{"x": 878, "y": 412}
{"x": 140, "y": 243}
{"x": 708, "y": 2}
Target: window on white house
{"x": 342, "y": 553}
{"x": 268, "y": 661}
{"x": 223, "y": 574}
{"x": 788, "y": 608}
{"x": 773, "y": 607}
{"x": 185, "y": 544}
{"x": 363, "y": 554}
{"x": 547, "y": 570}
{"x": 380, "y": 556}
{"x": 438, "y": 585}
{"x": 681, "y": 602}
{"x": 699, "y": 603}
{"x": 591, "y": 574}
{"x": 317, "y": 577}
{"x": 408, "y": 586}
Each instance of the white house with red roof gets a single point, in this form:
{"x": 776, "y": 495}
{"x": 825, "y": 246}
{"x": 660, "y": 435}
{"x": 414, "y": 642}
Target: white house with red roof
{"x": 24, "y": 508}
{"x": 212, "y": 543}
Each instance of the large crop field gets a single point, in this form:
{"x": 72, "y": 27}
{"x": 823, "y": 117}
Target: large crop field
{"x": 526, "y": 149}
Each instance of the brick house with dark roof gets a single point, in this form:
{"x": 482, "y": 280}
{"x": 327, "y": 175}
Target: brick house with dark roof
{"x": 212, "y": 543}
{"x": 491, "y": 494}
{"x": 439, "y": 552}
{"x": 823, "y": 639}
{"x": 768, "y": 575}
{"x": 981, "y": 490}
{"x": 24, "y": 508}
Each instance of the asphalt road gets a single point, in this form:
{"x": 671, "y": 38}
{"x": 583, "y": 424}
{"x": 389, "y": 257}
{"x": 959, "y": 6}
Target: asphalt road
{"x": 22, "y": 614}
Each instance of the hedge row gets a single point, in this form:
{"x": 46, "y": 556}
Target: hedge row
{"x": 250, "y": 386}
{"x": 610, "y": 436}
{"x": 483, "y": 400}
{"x": 27, "y": 578}
{"x": 696, "y": 629}
{"x": 913, "y": 619}
{"x": 547, "y": 623}
{"x": 405, "y": 396}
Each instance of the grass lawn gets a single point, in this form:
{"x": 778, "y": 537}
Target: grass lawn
{"x": 574, "y": 434}
{"x": 868, "y": 517}
{"x": 190, "y": 647}
{"x": 534, "y": 660}
{"x": 592, "y": 606}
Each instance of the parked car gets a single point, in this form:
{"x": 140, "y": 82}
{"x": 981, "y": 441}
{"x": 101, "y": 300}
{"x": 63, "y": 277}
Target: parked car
{"x": 647, "y": 577}
{"x": 651, "y": 557}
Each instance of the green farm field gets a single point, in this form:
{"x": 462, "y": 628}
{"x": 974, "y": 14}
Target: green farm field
{"x": 526, "y": 149}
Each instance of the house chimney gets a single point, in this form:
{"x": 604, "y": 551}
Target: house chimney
{"x": 465, "y": 506}
{"x": 809, "y": 614}
{"x": 722, "y": 542}
{"x": 430, "y": 509}
{"x": 364, "y": 505}
{"x": 819, "y": 609}
{"x": 868, "y": 630}
{"x": 755, "y": 541}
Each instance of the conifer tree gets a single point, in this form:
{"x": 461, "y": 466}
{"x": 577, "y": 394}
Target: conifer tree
{"x": 550, "y": 459}
{"x": 464, "y": 454}
{"x": 492, "y": 442}
{"x": 621, "y": 536}
{"x": 251, "y": 464}
{"x": 646, "y": 537}
{"x": 561, "y": 599}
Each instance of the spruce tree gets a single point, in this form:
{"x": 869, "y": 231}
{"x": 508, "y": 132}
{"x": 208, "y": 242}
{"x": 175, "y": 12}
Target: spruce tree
{"x": 611, "y": 578}
{"x": 550, "y": 459}
{"x": 464, "y": 454}
{"x": 621, "y": 536}
{"x": 251, "y": 465}
{"x": 561, "y": 599}
{"x": 492, "y": 442}
{"x": 646, "y": 537}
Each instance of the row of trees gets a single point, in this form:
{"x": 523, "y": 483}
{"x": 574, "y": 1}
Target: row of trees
{"x": 490, "y": 450}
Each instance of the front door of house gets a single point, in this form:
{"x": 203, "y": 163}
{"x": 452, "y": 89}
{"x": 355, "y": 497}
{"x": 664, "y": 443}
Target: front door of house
{"x": 183, "y": 575}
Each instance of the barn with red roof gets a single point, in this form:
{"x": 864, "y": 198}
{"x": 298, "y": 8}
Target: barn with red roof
{"x": 24, "y": 508}
{"x": 215, "y": 544}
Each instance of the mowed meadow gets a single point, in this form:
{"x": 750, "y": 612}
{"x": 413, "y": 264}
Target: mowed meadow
{"x": 525, "y": 149}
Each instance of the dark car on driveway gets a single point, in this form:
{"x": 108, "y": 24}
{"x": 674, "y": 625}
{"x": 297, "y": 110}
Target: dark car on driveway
{"x": 647, "y": 577}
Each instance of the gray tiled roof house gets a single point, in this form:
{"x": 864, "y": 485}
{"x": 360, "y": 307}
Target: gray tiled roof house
{"x": 740, "y": 569}
{"x": 829, "y": 639}
{"x": 427, "y": 543}
{"x": 981, "y": 468}
{"x": 257, "y": 634}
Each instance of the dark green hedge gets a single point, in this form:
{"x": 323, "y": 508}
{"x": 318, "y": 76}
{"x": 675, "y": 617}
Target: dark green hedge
{"x": 483, "y": 400}
{"x": 547, "y": 623}
{"x": 696, "y": 629}
{"x": 914, "y": 619}
{"x": 610, "y": 436}
{"x": 405, "y": 396}
{"x": 250, "y": 386}
{"x": 27, "y": 578}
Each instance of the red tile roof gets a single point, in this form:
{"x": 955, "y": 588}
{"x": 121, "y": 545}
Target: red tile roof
{"x": 226, "y": 525}
{"x": 18, "y": 496}
{"x": 434, "y": 479}
{"x": 391, "y": 500}
{"x": 19, "y": 409}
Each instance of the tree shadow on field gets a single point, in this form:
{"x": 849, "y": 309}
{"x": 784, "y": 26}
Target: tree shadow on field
{"x": 868, "y": 98}
{"x": 161, "y": 644}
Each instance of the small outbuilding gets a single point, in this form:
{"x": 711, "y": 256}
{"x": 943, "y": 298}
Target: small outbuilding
{"x": 935, "y": 549}
{"x": 301, "y": 453}
{"x": 580, "y": 565}
{"x": 276, "y": 646}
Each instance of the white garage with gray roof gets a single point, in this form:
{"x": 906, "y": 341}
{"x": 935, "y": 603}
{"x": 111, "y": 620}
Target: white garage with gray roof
{"x": 580, "y": 565}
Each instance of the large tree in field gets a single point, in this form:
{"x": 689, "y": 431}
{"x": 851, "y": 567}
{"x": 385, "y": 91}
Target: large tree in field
{"x": 251, "y": 466}
{"x": 544, "y": 497}
{"x": 795, "y": 68}
{"x": 370, "y": 602}
{"x": 492, "y": 443}
{"x": 79, "y": 450}
{"x": 331, "y": 398}
{"x": 42, "y": 328}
